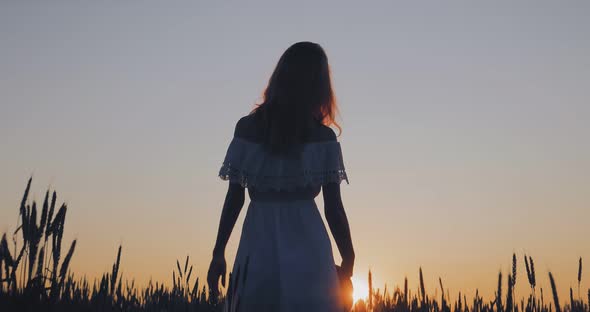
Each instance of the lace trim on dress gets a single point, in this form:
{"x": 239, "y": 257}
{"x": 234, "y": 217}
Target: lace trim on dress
{"x": 251, "y": 165}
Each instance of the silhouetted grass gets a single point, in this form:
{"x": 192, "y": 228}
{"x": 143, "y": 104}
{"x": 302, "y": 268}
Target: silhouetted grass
{"x": 33, "y": 277}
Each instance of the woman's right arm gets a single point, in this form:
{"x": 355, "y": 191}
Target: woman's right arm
{"x": 234, "y": 200}
{"x": 338, "y": 223}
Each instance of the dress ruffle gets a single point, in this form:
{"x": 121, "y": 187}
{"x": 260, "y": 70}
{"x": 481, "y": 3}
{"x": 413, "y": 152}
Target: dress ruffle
{"x": 252, "y": 165}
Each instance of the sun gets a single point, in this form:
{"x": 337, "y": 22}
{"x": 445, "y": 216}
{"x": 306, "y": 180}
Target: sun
{"x": 360, "y": 289}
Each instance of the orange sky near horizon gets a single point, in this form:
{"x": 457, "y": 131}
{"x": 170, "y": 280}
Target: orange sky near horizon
{"x": 465, "y": 130}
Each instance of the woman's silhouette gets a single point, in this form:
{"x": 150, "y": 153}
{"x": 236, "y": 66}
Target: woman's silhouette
{"x": 285, "y": 152}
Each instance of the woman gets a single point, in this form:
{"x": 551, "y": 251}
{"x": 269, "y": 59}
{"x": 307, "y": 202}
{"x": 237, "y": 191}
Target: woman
{"x": 285, "y": 152}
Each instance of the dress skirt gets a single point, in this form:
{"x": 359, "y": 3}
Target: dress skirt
{"x": 284, "y": 261}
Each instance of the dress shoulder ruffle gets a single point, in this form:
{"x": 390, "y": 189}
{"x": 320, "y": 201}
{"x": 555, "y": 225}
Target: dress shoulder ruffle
{"x": 251, "y": 165}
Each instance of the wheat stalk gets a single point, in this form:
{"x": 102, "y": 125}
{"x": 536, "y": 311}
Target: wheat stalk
{"x": 66, "y": 263}
{"x": 579, "y": 277}
{"x": 499, "y": 293}
{"x": 513, "y": 269}
{"x": 554, "y": 289}
{"x": 509, "y": 293}
{"x": 422, "y": 288}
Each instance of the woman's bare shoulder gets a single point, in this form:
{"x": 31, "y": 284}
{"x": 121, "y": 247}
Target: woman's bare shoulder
{"x": 248, "y": 128}
{"x": 323, "y": 133}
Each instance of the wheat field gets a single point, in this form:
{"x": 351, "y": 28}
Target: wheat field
{"x": 35, "y": 276}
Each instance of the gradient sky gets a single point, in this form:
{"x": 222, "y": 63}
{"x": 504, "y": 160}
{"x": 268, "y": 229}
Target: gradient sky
{"x": 465, "y": 128}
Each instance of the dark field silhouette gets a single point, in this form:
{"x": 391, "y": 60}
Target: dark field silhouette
{"x": 35, "y": 276}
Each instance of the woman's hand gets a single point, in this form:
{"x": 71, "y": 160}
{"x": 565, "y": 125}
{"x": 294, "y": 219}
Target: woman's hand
{"x": 347, "y": 265}
{"x": 217, "y": 269}
{"x": 346, "y": 288}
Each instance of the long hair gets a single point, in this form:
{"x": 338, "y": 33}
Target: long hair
{"x": 298, "y": 97}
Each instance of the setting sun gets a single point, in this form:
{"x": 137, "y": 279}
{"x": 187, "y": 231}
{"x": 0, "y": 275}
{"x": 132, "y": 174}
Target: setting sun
{"x": 360, "y": 289}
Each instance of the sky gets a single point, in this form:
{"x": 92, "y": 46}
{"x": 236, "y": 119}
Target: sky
{"x": 465, "y": 129}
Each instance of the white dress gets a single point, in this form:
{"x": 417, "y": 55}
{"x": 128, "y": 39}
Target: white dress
{"x": 284, "y": 260}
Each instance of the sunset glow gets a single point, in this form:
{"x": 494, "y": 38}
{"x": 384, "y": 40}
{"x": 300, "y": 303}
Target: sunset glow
{"x": 464, "y": 132}
{"x": 360, "y": 289}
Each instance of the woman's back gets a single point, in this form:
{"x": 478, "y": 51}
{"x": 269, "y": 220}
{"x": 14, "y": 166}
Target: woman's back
{"x": 251, "y": 130}
{"x": 284, "y": 248}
